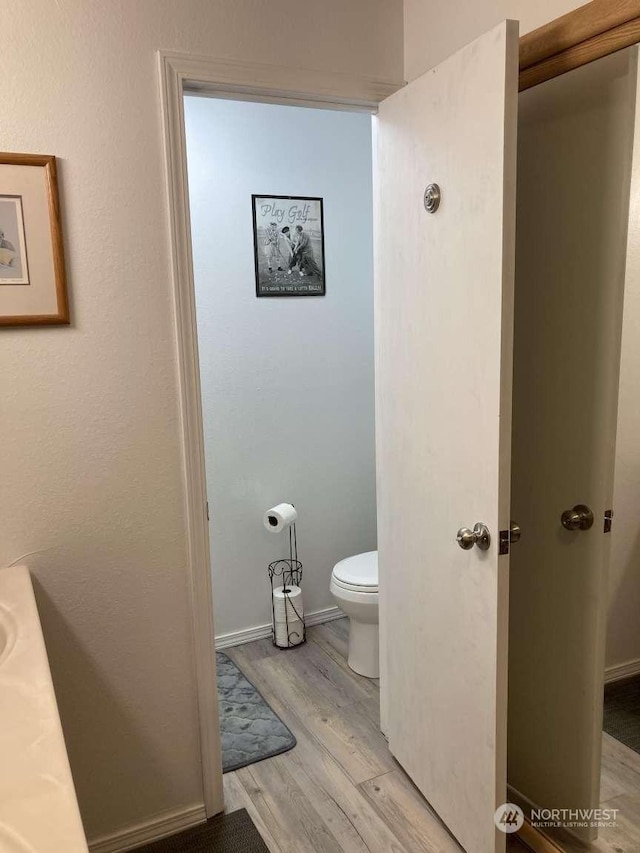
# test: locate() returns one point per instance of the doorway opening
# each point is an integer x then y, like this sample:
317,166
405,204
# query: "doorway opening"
287,376
575,584
287,397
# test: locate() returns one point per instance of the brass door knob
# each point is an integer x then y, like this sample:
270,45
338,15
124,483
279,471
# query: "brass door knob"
578,518
479,536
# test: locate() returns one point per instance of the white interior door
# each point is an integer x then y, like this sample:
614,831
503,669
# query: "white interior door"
575,142
444,317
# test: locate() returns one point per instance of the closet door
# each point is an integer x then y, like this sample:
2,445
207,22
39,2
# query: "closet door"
575,143
444,319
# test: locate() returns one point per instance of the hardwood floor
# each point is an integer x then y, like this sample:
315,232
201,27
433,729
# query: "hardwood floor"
339,789
619,789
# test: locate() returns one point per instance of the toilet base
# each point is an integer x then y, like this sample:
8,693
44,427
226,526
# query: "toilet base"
363,649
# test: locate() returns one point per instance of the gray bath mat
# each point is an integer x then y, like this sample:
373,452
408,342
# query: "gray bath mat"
224,833
250,730
622,712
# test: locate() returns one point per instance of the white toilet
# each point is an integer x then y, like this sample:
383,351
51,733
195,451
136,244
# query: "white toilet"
354,585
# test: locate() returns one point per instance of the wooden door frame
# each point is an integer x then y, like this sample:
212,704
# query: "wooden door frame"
597,29
577,38
181,73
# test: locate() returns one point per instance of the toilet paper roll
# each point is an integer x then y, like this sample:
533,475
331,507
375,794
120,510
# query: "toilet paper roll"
279,517
293,637
287,605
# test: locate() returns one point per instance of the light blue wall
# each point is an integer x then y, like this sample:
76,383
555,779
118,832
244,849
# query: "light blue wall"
287,383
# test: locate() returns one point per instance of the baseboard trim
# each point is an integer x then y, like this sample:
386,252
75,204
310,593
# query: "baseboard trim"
154,829
621,671
248,635
534,838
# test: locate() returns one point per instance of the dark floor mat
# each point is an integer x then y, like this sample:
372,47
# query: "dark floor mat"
622,712
249,729
225,833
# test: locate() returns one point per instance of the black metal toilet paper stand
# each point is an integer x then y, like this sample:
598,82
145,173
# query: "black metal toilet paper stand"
288,573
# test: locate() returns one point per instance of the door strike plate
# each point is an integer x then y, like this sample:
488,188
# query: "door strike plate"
504,540
608,520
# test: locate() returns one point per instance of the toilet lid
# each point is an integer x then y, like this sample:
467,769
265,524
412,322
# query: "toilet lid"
360,570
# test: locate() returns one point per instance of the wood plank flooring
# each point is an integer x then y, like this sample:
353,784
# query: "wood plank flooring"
619,789
339,790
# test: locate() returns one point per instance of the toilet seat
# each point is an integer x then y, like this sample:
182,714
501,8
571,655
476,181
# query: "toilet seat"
352,587
358,573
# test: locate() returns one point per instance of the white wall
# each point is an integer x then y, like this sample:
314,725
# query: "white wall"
623,640
434,30
90,453
287,383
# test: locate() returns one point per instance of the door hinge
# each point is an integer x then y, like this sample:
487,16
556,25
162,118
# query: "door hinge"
608,520
208,511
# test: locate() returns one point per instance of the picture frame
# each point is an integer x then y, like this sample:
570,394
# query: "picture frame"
288,245
33,287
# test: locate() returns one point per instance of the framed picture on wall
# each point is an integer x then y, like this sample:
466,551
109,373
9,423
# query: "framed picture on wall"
288,245
33,287
14,268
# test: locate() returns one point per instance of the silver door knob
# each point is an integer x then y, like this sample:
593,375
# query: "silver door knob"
578,518
479,536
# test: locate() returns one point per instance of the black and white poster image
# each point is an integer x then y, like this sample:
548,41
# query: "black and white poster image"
288,238
13,252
